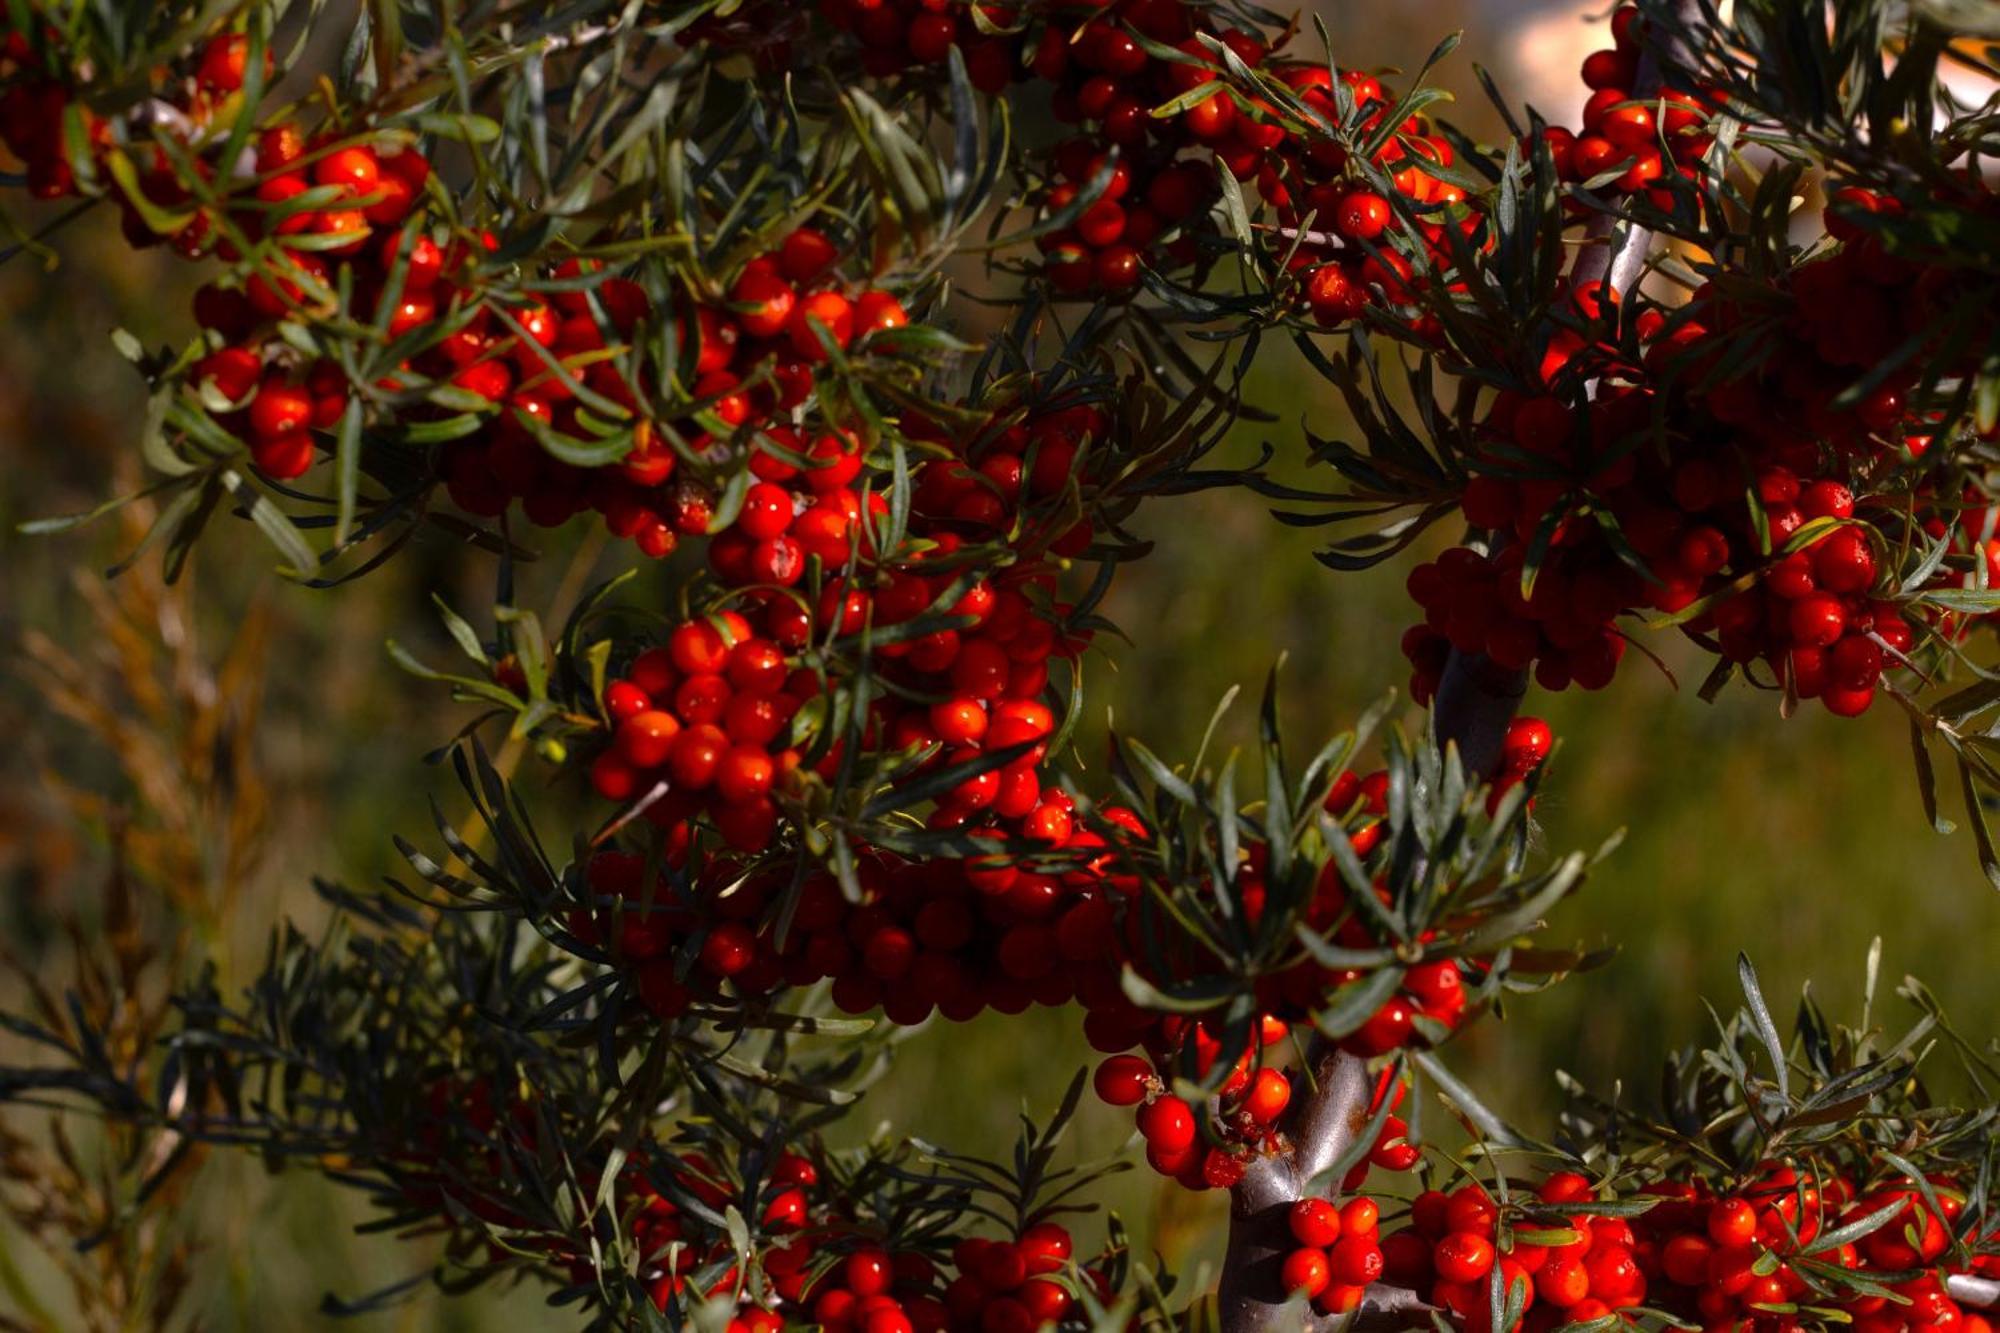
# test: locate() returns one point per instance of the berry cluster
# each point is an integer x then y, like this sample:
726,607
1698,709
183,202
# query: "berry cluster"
701,718
824,1258
940,934
748,362
1213,1153
1582,1269
895,35
1049,916
1793,568
1205,1151
1156,114
1252,1099
1013,1286
32,111
312,202
548,369
826,1270
710,722
1728,1255
270,399
1628,144
1107,83
1348,260
1741,1259
1157,168
1340,1252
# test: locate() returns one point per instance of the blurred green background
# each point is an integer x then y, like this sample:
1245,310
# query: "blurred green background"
1795,841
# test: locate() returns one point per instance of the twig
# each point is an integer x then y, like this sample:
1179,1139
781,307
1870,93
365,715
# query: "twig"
1966,1289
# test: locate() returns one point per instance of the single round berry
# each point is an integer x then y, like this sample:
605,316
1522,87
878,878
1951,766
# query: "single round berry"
1463,1256
1305,1272
1732,1222
1123,1080
1356,1261
1314,1222
1362,215
1168,1124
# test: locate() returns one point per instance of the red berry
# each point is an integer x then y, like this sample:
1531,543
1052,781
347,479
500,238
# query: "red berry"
805,254
1463,1256
827,314
1362,215
280,409
878,312
1843,562
1388,1028
1123,1080
1314,1222
867,1272
764,302
1305,1272
355,168
1168,1124
1356,1261
1044,1248
1826,499
1816,621
1732,1222
697,754
729,949
697,648
646,738
1684,1258
767,511
1562,1283
1270,1091
233,371
1117,268
744,774
284,457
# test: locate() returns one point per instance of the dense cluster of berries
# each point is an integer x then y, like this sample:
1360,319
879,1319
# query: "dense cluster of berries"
1155,115
32,112
1045,918
1339,1252
1793,569
1011,1286
329,212
1107,84
826,1270
895,35
710,722
747,363
820,1262
1627,143
1213,1152
325,200
941,934
1203,1151
1157,169
1720,1260
1729,1255
1347,260
713,723
1574,1271
271,399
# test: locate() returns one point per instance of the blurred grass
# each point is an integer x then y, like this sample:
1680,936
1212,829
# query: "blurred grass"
1797,842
